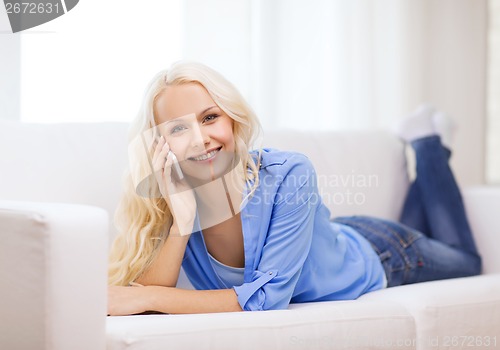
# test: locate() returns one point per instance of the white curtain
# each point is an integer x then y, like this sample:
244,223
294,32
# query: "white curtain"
323,63
348,64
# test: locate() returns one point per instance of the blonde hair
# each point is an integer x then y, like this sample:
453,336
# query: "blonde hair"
143,222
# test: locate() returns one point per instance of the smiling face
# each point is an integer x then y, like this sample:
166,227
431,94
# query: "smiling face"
198,132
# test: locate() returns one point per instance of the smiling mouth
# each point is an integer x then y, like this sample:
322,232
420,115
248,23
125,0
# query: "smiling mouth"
207,156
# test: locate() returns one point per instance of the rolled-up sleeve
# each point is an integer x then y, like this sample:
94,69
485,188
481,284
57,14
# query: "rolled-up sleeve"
287,243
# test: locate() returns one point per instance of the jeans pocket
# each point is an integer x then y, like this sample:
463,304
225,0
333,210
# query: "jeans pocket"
405,235
394,243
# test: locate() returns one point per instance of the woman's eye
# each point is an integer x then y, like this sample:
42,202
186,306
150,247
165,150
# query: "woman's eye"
210,118
177,128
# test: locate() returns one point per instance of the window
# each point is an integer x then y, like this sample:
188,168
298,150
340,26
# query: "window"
94,63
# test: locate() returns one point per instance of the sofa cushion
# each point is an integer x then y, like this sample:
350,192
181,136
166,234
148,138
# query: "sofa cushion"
359,172
66,162
459,313
326,325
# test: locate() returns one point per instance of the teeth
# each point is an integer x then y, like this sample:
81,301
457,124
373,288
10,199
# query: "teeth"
206,156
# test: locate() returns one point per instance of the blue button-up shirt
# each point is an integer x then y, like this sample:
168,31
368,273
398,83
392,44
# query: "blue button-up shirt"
293,252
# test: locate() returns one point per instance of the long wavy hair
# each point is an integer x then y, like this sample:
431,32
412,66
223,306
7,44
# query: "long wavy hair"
144,222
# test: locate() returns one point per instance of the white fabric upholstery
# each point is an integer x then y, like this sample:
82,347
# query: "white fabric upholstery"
66,163
483,209
328,325
465,308
359,172
52,270
53,255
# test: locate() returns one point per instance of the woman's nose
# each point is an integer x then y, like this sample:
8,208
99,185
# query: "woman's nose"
200,138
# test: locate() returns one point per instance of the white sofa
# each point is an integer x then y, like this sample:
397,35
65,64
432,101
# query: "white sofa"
60,183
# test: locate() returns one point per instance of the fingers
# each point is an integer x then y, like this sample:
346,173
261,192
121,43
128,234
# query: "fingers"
157,144
161,151
134,284
162,166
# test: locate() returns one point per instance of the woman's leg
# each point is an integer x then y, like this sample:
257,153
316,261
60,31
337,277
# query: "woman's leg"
413,213
445,248
417,125
409,256
439,196
434,204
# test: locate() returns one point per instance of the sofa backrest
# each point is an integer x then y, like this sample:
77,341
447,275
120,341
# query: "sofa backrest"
358,172
69,163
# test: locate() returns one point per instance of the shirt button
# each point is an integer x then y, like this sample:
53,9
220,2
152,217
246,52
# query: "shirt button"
270,273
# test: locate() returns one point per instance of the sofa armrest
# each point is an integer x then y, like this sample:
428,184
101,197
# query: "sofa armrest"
483,210
53,262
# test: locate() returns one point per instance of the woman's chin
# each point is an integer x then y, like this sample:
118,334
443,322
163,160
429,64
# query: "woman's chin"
201,173
205,176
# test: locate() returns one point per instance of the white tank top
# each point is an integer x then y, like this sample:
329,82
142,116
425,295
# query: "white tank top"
230,276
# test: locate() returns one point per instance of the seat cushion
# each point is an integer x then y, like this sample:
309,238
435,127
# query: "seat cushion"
339,325
459,313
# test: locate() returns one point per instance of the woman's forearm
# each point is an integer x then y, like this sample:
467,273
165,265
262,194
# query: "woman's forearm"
164,270
183,301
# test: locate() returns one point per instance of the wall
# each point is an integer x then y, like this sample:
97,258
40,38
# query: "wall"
10,69
493,122
456,78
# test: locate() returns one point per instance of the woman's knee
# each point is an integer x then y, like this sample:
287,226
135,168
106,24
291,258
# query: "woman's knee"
476,265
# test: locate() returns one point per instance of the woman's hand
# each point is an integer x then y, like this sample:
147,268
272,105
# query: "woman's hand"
178,194
127,300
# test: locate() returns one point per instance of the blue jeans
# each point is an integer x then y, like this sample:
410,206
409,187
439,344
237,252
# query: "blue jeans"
433,239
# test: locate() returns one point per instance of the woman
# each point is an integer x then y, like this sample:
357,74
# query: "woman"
249,228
